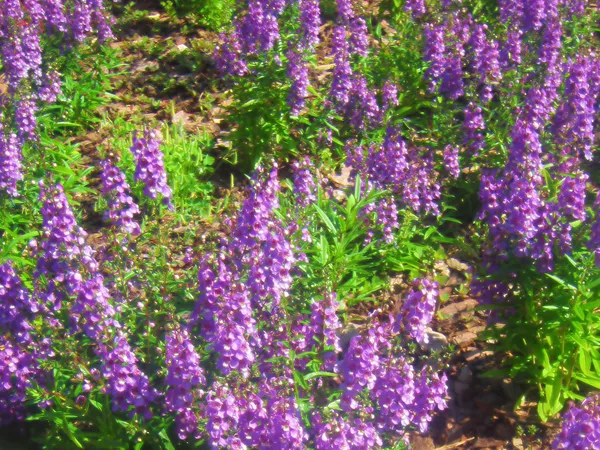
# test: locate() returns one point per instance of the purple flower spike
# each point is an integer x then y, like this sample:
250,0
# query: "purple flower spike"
451,161
11,168
418,308
184,381
25,119
415,7
17,369
129,388
310,18
17,307
298,73
150,169
63,254
473,127
121,207
304,183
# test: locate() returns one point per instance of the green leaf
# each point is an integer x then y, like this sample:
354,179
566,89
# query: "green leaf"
553,394
167,444
357,187
310,376
429,232
593,381
326,220
561,282
585,362
542,409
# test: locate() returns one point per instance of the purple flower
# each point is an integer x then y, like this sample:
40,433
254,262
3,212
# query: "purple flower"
50,88
11,167
63,254
418,308
574,121
310,19
571,197
54,12
534,15
297,72
390,95
451,161
360,368
512,11
324,325
512,49
18,368
93,312
362,109
150,169
359,41
25,119
223,413
335,432
127,386
17,307
345,10
81,19
580,427
304,183
228,56
415,7
342,73
473,127
551,44
121,207
408,172
485,60
184,383
18,348
434,53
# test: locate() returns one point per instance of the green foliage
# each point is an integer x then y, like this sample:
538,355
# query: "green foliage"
210,14
552,331
348,254
187,162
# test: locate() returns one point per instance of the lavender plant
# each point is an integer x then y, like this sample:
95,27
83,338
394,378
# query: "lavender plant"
249,367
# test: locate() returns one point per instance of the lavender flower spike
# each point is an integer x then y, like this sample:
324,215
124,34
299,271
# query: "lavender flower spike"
419,307
150,168
121,207
11,168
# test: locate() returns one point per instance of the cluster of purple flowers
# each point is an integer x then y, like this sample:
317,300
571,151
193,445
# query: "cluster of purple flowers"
150,168
407,171
18,359
128,387
445,51
485,60
580,427
252,403
184,383
473,128
121,207
298,73
62,254
10,160
418,308
398,395
28,71
524,220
